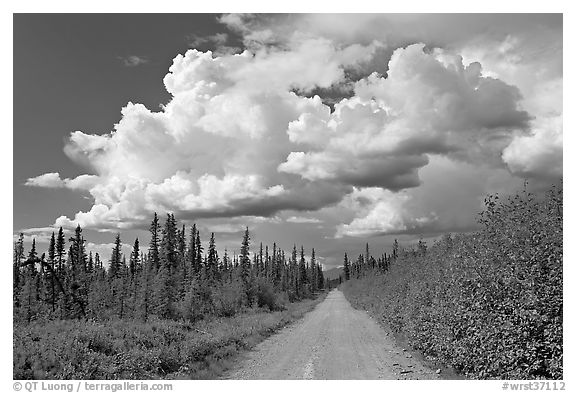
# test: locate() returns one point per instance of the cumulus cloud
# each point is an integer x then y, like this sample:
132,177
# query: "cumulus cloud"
449,200
380,212
538,155
49,180
524,51
53,180
429,103
214,149
249,134
533,62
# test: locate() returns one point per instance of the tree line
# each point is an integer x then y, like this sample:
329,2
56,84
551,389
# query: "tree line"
177,278
365,264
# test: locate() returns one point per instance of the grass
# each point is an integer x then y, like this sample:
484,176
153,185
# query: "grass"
158,349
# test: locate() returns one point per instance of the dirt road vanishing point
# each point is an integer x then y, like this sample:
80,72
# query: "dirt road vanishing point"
334,341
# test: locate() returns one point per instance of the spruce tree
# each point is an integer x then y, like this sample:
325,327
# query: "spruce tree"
166,286
52,295
97,261
191,254
320,276
313,272
169,244
198,255
245,257
32,257
16,264
293,272
276,268
90,266
181,265
78,256
266,264
260,264
153,248
135,263
226,268
303,279
346,267
28,296
60,250
212,260
116,258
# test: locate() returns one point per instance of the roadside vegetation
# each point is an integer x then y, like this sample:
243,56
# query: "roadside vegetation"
176,311
489,303
158,349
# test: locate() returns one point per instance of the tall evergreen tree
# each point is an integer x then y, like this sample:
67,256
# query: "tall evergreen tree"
346,267
153,248
303,279
97,261
191,253
16,264
277,272
78,257
90,265
320,276
169,244
198,254
293,272
135,263
60,249
32,257
226,266
50,278
212,260
266,263
166,286
116,258
313,272
181,265
245,257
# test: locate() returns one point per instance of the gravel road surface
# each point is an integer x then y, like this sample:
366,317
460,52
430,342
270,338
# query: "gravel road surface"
333,341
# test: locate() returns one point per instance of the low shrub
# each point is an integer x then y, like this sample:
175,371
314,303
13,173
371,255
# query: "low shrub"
128,349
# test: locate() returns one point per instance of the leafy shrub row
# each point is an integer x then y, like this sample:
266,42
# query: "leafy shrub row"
487,303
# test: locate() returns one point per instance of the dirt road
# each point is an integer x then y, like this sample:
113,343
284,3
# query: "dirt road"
334,341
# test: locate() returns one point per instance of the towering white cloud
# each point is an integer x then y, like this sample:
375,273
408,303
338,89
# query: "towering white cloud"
214,149
429,103
245,134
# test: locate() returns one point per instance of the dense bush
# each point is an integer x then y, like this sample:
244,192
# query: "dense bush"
487,303
268,298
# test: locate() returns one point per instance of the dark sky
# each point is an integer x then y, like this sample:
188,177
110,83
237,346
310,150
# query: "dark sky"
419,118
69,75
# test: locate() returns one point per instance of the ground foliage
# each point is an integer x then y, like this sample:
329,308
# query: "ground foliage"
131,349
487,303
